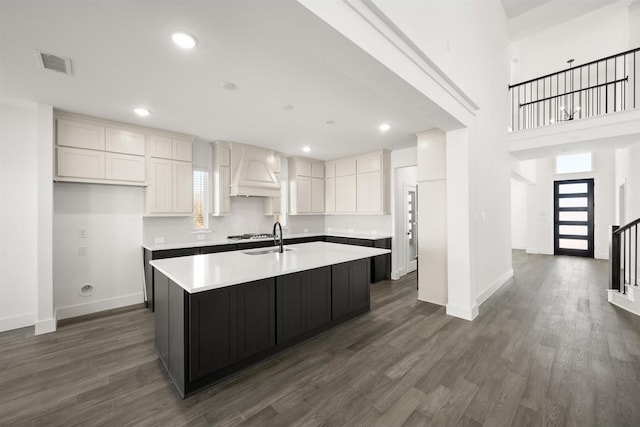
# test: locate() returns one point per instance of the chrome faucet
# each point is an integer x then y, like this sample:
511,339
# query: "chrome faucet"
277,225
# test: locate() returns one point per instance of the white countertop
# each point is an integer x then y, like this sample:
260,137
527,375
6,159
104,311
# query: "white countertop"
199,273
200,243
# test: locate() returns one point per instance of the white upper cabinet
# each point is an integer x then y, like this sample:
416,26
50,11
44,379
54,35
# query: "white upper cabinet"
345,167
159,193
103,152
182,187
361,184
79,134
165,147
80,163
170,176
182,150
124,167
159,146
306,184
124,141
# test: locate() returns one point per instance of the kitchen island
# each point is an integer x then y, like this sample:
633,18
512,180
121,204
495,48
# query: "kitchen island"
218,313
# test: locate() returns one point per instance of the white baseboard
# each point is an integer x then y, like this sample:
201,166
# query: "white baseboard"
626,302
16,322
46,326
96,306
466,313
395,275
497,284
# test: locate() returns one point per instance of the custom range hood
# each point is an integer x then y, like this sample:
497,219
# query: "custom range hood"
255,171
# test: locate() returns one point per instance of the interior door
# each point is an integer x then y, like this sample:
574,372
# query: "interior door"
411,227
573,217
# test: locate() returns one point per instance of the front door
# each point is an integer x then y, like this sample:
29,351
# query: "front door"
573,218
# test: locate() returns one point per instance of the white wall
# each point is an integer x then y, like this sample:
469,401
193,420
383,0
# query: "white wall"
592,36
540,202
628,173
18,217
518,214
111,217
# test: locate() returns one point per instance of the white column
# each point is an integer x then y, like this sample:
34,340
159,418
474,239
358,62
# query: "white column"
461,284
432,217
45,321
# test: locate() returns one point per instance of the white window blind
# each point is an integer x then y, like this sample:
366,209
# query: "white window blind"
200,199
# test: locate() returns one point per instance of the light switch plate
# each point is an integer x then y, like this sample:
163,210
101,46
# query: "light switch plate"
199,236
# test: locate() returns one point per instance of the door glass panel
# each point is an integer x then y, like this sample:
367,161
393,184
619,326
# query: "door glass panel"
573,244
573,202
573,216
411,218
575,230
572,188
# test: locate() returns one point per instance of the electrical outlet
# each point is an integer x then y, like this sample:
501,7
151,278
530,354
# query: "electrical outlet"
306,230
159,240
351,230
374,231
82,250
199,236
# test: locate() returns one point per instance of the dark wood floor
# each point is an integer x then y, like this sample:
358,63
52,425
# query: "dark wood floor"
547,349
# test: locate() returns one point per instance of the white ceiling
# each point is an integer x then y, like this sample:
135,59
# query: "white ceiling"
276,52
515,8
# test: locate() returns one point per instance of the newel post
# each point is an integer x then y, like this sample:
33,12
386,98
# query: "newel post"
614,258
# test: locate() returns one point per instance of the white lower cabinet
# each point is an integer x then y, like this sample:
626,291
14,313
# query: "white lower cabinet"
80,163
170,187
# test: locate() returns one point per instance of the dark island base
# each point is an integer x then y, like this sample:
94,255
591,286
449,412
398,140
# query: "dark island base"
194,387
206,336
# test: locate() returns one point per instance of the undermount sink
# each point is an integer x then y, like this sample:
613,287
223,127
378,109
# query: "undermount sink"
266,251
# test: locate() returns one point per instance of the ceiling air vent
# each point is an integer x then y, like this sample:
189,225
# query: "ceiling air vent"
52,62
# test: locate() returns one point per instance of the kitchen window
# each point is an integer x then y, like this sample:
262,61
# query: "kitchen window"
200,199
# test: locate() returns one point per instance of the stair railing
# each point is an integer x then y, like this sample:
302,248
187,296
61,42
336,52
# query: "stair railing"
624,256
598,87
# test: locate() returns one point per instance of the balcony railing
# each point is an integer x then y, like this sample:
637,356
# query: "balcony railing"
624,256
598,87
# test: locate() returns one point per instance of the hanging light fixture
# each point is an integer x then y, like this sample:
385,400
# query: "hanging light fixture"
569,115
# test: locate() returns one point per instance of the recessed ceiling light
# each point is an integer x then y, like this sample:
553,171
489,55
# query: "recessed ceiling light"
330,122
183,39
142,112
384,127
228,85
287,107
306,148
